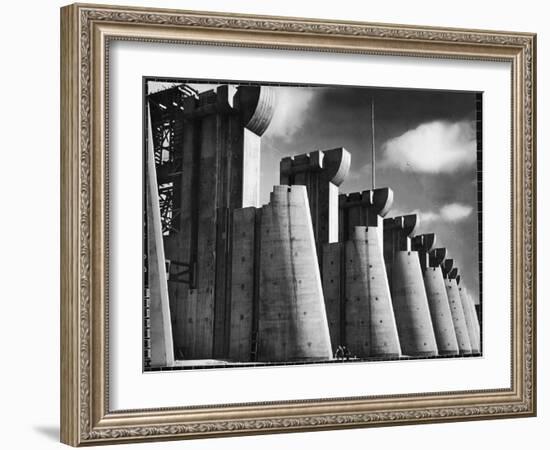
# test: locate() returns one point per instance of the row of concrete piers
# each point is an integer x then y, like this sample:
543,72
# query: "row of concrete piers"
313,275
388,292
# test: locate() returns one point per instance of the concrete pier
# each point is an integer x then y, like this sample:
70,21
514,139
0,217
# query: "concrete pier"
477,324
334,276
471,318
214,168
157,314
370,330
309,274
321,172
244,284
455,303
355,285
363,209
440,311
292,318
410,303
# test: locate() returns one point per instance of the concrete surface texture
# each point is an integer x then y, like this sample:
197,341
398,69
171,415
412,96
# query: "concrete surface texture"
455,303
321,172
313,274
217,138
243,321
410,302
370,325
440,311
472,322
157,323
333,276
292,318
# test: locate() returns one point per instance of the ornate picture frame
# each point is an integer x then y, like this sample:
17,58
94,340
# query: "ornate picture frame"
86,33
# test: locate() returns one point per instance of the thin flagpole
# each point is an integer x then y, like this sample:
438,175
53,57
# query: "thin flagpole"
373,157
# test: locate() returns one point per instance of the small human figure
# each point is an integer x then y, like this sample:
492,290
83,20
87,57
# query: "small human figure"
347,353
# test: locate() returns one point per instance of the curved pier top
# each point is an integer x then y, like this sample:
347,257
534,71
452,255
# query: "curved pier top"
447,266
423,242
437,256
257,106
406,224
453,273
381,200
336,163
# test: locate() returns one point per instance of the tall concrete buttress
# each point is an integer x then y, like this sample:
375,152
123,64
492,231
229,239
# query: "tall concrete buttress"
477,325
292,321
333,277
455,303
158,311
440,311
244,284
219,138
348,269
363,209
370,328
474,310
471,318
410,302
321,172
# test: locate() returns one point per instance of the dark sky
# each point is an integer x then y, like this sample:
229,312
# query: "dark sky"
425,151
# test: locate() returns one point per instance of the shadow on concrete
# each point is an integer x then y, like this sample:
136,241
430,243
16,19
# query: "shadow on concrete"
51,432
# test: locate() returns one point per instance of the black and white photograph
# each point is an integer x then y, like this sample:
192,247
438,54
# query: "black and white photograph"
277,220
300,224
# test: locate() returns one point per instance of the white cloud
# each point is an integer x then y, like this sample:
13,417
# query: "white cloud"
290,112
424,217
434,147
427,216
455,212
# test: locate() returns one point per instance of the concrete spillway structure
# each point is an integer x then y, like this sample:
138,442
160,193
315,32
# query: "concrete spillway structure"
474,311
214,168
365,208
410,303
477,324
296,279
243,327
355,283
457,311
471,318
292,322
333,277
276,299
157,311
371,330
440,311
321,172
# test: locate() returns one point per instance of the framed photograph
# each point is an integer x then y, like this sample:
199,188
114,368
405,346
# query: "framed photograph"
276,224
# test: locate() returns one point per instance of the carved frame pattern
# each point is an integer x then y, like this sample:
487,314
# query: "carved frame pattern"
86,32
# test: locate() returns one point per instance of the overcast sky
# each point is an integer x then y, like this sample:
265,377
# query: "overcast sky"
425,151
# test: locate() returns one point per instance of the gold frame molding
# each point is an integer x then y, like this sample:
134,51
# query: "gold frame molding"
86,31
